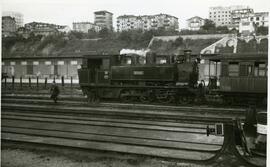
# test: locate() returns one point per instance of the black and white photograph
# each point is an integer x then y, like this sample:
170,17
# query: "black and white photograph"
134,83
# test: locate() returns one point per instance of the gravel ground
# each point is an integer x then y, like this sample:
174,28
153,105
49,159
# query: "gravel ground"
13,155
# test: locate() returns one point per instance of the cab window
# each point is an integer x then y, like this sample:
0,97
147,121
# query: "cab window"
141,60
161,60
260,69
126,61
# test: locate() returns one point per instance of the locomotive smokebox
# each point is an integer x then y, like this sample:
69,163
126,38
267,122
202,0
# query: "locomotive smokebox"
187,54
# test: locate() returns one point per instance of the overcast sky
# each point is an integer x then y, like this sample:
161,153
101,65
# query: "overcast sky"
64,12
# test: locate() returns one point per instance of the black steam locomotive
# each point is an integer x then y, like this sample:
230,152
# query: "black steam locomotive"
146,78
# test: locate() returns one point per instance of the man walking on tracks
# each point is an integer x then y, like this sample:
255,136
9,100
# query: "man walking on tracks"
54,92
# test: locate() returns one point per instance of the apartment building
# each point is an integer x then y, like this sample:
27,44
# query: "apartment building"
85,27
195,23
249,23
238,14
260,19
104,19
147,22
8,26
17,16
222,16
39,28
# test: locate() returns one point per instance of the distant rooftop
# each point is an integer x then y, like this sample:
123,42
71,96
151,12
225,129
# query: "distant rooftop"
130,16
195,17
102,11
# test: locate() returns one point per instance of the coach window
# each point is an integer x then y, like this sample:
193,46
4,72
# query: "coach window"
233,69
249,70
260,69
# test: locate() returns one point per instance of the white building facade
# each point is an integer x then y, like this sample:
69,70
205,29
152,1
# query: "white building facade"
221,16
147,22
17,16
249,23
195,23
85,27
238,14
104,19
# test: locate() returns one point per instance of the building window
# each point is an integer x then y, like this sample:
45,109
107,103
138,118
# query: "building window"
12,63
23,63
48,62
73,62
60,62
30,69
35,63
257,18
3,63
233,69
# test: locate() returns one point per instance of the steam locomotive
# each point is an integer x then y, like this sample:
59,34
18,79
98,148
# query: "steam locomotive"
147,78
173,78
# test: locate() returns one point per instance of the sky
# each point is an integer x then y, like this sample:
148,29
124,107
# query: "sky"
64,12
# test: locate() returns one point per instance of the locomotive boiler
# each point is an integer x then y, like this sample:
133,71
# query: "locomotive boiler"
162,78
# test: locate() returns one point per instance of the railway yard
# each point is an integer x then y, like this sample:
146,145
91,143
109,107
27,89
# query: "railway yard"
118,134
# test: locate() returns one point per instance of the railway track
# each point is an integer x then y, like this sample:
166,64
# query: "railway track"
66,100
167,131
147,137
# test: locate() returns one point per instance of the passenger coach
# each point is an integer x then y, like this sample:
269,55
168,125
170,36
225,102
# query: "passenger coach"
243,77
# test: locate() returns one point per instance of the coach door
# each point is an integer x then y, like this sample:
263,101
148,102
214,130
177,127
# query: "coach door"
94,66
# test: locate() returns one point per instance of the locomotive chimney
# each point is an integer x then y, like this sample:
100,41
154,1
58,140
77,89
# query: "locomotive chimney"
187,54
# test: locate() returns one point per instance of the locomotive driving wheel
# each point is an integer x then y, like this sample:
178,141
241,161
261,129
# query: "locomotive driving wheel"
164,97
185,99
93,96
147,96
125,96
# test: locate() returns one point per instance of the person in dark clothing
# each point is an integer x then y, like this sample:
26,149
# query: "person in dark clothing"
54,92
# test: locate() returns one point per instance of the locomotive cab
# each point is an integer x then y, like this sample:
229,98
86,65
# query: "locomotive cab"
187,70
95,69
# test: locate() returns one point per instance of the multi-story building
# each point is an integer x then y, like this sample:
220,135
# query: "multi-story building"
85,27
260,19
221,16
17,16
246,26
8,26
249,23
238,14
146,22
104,19
45,29
195,23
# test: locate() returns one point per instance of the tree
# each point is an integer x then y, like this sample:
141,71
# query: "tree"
76,35
92,33
262,30
222,29
209,25
104,33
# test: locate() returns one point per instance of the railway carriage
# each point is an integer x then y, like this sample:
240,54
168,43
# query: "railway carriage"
243,77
